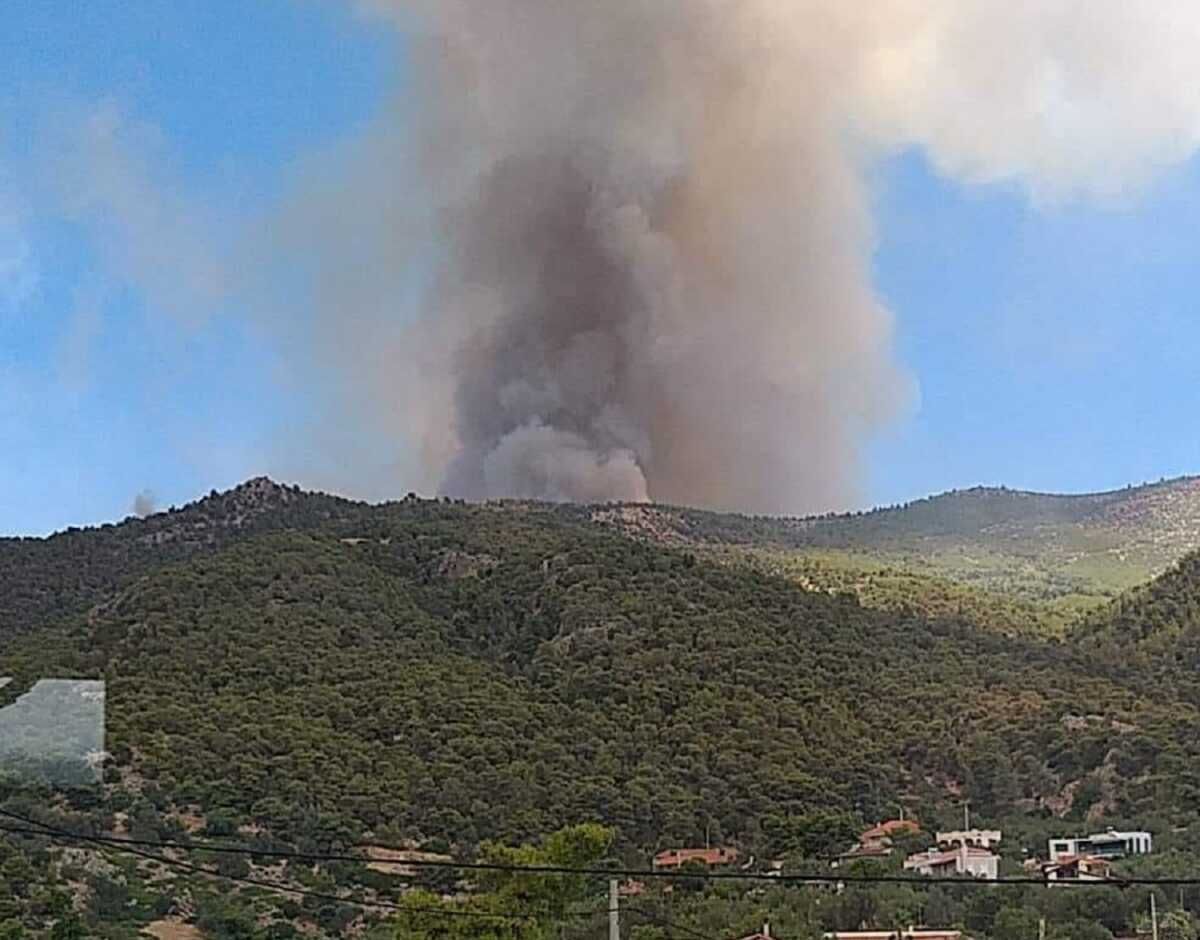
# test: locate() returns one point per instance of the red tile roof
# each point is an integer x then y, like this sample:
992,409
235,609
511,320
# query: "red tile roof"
1088,864
673,858
890,828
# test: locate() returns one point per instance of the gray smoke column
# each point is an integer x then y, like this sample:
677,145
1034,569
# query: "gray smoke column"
652,279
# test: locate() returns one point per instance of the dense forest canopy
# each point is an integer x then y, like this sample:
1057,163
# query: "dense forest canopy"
309,671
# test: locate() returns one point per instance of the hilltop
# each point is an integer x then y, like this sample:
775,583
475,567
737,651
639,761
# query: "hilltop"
45,578
1072,550
984,546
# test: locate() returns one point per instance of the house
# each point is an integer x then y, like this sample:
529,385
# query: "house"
1077,868
982,838
1110,844
764,934
912,933
962,860
858,851
674,858
631,889
883,834
876,842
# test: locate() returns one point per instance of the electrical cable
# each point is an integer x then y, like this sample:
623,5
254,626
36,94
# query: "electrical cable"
53,833
629,873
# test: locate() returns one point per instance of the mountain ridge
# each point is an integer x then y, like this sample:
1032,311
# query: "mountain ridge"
1063,553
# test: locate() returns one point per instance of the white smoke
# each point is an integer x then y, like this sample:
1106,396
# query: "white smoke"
145,503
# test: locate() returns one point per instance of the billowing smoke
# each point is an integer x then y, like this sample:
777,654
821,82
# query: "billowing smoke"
652,274
620,249
653,278
145,503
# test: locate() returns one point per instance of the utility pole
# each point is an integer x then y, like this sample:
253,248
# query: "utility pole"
614,910
1041,928
967,815
1153,918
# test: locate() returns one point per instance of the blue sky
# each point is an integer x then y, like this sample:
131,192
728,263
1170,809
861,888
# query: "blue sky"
1054,348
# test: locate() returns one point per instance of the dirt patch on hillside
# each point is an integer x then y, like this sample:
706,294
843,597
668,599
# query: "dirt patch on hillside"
172,930
398,861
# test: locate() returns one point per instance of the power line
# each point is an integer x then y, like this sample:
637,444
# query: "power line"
631,873
55,834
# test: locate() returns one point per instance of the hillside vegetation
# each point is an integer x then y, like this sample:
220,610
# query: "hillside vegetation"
1073,550
321,673
1153,628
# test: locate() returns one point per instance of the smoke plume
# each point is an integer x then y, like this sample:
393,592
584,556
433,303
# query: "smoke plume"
652,272
621,249
652,277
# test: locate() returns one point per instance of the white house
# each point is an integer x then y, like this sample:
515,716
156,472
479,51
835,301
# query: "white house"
1111,844
963,860
1073,870
981,838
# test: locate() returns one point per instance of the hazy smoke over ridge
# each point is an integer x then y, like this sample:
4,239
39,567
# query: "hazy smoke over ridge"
621,248
145,503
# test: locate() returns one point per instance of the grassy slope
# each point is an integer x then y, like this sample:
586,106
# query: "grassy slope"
1067,553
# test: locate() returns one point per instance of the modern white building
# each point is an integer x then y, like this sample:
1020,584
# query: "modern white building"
1111,844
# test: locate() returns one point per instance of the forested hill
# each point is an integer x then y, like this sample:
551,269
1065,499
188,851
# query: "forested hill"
431,669
1154,627
290,669
45,579
1038,546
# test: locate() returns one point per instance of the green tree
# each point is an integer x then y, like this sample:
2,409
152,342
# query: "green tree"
17,873
68,927
538,901
1015,923
1177,925
1080,929
109,899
